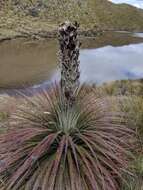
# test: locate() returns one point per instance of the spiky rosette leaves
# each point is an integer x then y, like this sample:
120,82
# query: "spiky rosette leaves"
56,147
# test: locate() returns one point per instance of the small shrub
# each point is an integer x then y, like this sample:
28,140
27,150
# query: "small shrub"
3,116
136,182
57,147
123,87
132,106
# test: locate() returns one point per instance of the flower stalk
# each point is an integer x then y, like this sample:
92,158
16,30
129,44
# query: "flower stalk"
69,60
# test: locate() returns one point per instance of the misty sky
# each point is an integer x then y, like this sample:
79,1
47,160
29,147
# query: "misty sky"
137,3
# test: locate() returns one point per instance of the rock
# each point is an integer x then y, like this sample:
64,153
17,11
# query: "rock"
33,12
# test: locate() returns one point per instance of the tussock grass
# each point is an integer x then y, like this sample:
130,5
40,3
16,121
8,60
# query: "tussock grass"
55,146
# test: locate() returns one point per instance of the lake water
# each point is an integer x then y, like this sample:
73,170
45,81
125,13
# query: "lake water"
112,56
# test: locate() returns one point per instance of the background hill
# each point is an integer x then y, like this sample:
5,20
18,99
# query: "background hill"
24,17
117,17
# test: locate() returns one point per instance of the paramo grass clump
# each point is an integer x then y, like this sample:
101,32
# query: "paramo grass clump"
56,146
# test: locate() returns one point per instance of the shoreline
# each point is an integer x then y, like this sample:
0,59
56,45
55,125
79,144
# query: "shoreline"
40,21
45,34
48,34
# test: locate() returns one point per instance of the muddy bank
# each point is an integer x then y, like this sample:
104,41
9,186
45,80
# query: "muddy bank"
41,34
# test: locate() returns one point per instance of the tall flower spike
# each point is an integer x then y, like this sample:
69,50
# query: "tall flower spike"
69,59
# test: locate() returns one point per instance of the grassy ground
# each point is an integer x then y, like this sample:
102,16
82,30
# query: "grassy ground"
126,96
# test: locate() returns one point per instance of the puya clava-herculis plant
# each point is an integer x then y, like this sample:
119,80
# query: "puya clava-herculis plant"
64,138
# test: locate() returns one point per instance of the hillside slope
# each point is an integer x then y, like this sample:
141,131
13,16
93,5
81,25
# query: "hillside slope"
117,17
38,17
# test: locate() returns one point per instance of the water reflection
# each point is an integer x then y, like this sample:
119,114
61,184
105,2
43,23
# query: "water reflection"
25,63
112,56
140,35
112,63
